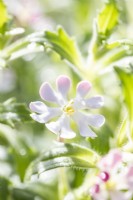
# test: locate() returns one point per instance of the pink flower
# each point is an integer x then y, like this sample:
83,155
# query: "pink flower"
115,180
76,109
129,177
111,161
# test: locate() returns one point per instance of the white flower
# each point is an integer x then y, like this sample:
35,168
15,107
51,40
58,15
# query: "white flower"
76,109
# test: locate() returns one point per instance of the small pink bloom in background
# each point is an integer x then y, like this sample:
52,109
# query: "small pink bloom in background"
111,160
104,176
129,177
95,189
29,13
76,109
115,179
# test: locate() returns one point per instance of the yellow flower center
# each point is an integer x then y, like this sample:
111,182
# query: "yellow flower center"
110,185
68,109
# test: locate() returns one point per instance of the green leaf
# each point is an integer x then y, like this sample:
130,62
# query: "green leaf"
4,188
22,157
126,78
107,19
12,112
65,46
34,190
22,194
3,14
116,51
32,43
122,134
20,150
7,136
124,43
97,144
64,155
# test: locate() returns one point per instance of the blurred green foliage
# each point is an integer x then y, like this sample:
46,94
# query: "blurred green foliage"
92,44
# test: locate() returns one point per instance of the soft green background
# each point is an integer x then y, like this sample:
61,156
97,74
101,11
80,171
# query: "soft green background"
22,77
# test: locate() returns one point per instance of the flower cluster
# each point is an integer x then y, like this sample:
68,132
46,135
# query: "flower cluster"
76,109
115,179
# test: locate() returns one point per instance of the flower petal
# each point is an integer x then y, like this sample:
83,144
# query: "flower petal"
83,88
111,160
66,131
94,102
119,195
54,126
82,124
38,118
95,120
61,127
129,177
46,116
63,85
85,130
38,107
47,93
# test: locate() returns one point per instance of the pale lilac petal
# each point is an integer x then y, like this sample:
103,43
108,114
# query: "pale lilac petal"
83,88
47,93
92,119
82,124
61,127
47,115
66,131
85,130
63,85
78,104
38,118
38,107
95,120
94,102
54,127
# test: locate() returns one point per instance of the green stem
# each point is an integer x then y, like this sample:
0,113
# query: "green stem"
25,51
96,65
63,187
22,43
16,46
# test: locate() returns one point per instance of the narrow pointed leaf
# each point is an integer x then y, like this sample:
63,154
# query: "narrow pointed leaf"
4,188
12,112
64,155
20,150
126,78
3,14
65,46
122,134
108,19
34,190
104,134
7,136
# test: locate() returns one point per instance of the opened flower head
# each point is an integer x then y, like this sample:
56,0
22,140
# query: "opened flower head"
76,109
115,178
